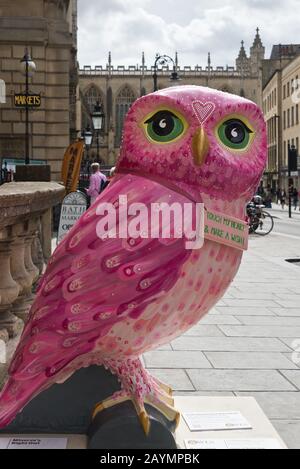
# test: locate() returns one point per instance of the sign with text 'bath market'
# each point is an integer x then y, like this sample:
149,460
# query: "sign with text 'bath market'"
31,100
73,206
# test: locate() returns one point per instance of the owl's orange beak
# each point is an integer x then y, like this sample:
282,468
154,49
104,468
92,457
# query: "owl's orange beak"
200,146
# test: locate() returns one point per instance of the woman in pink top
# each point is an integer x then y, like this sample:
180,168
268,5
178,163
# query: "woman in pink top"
96,180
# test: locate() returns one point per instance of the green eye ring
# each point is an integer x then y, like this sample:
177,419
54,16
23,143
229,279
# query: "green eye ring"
164,126
235,134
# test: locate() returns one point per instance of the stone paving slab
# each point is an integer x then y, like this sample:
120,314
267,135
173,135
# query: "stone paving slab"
293,377
250,360
293,343
268,321
204,331
230,344
218,319
288,303
244,311
289,430
176,359
291,356
277,405
239,380
256,303
260,331
177,379
286,312
258,295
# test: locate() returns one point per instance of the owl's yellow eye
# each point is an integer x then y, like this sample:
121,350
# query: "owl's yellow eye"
235,134
164,126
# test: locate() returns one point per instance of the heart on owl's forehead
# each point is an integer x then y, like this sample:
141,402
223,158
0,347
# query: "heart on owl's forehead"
203,110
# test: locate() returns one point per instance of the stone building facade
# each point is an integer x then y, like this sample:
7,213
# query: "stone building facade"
117,87
281,105
48,28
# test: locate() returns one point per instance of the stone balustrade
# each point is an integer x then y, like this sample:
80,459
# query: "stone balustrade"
25,247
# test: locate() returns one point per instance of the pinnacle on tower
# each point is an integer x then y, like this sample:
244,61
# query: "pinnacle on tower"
242,54
209,61
257,40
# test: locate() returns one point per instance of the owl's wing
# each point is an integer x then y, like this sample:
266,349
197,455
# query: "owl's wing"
90,285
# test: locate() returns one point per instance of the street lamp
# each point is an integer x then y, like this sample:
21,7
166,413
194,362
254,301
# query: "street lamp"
28,68
87,135
98,124
164,60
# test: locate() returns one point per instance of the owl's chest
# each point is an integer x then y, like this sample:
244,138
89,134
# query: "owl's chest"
202,281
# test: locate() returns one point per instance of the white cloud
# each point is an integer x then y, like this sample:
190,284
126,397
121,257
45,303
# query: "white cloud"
193,27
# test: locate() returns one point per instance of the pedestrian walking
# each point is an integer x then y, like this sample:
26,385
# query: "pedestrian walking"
283,199
278,195
97,182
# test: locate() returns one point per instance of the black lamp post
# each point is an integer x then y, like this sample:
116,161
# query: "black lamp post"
164,60
292,167
98,124
28,68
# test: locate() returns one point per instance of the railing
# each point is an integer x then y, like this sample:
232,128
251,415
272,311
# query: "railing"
25,247
140,71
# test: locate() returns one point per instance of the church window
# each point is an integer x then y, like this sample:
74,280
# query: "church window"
124,101
92,96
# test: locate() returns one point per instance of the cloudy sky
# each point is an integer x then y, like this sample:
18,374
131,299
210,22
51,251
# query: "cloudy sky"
192,27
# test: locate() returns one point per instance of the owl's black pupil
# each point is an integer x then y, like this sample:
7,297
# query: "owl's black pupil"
235,132
163,123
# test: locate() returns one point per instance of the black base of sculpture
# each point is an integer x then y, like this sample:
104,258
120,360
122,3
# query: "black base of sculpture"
67,409
121,429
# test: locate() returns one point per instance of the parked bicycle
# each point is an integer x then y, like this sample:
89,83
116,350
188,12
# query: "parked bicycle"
259,220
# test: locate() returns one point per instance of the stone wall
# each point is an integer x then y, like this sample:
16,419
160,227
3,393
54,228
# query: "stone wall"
25,247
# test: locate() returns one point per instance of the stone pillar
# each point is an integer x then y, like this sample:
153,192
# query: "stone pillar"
32,234
37,251
46,228
19,271
9,288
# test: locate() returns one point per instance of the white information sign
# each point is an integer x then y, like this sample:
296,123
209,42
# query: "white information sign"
251,443
73,207
33,443
210,421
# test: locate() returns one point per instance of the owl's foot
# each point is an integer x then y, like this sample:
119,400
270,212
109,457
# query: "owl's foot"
141,388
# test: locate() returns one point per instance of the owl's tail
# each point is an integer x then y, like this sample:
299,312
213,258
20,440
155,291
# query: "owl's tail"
13,398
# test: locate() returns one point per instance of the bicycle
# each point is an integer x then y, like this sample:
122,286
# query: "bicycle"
260,221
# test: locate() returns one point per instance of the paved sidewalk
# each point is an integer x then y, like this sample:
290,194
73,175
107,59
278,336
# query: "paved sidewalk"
277,209
245,345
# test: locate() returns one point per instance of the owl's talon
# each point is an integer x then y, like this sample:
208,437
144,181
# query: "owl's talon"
167,410
98,408
117,398
145,422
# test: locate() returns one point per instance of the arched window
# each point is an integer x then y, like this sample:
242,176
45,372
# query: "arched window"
124,101
92,96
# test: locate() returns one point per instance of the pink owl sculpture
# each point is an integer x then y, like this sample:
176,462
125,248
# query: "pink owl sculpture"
106,301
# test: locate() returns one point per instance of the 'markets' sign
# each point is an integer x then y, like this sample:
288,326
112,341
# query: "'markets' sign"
30,100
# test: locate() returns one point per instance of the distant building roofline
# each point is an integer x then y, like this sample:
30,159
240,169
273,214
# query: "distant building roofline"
284,50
